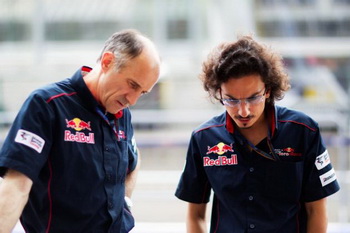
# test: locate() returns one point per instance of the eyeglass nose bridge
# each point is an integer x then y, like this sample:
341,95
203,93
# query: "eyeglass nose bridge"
243,103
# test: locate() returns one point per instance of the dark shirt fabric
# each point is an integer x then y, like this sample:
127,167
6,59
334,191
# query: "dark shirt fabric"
77,157
252,193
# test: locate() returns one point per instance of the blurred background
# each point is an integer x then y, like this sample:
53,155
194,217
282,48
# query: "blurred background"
43,41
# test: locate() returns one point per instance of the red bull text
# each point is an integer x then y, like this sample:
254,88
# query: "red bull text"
79,137
220,161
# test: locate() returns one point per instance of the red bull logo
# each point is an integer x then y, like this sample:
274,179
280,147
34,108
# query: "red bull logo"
220,148
78,124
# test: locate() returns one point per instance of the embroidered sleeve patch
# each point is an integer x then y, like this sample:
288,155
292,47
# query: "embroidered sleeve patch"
134,146
322,160
30,139
328,177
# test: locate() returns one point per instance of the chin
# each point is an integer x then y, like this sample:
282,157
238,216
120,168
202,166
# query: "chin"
246,127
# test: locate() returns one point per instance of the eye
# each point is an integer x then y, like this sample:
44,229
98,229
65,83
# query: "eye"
230,102
253,98
234,101
134,85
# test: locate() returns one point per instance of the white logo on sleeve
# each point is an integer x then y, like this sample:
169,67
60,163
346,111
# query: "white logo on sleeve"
134,146
29,139
328,177
322,160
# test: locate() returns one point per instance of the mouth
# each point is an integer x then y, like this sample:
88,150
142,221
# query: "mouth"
244,120
121,104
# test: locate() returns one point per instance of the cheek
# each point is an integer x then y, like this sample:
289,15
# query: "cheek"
232,112
111,90
259,109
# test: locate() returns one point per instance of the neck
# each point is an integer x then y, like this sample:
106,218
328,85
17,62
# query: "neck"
91,80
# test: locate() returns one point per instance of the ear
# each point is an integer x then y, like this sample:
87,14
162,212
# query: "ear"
107,61
267,94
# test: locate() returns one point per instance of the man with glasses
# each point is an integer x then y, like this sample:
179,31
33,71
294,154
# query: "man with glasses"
70,159
267,165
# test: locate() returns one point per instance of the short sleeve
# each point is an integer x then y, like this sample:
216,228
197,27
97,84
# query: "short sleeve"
193,185
132,150
133,154
28,143
320,179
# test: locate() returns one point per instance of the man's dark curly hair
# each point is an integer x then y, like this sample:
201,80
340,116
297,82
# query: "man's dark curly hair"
241,58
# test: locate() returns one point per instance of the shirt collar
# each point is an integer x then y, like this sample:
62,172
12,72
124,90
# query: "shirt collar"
271,113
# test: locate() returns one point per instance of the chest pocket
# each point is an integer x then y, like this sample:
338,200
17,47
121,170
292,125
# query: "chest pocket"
284,180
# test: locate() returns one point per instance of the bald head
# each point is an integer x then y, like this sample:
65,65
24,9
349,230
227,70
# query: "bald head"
129,44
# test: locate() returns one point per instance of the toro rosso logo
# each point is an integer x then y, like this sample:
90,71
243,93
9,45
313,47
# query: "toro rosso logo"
78,125
288,151
220,149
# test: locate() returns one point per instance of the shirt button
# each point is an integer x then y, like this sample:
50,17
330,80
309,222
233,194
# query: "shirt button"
107,148
251,169
251,198
251,226
110,205
108,177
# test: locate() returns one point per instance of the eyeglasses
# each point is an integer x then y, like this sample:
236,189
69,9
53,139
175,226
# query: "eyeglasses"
254,100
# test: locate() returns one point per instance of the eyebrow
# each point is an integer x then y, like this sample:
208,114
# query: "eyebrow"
134,82
138,85
253,95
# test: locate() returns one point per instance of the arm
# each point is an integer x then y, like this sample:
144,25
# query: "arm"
131,178
14,193
196,218
317,216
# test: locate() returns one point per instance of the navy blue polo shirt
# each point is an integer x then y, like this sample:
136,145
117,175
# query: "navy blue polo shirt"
253,193
77,157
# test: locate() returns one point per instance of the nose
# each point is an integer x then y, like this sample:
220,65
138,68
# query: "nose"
132,98
243,109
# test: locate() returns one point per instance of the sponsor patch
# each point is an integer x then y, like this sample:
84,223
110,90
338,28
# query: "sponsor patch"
288,151
322,160
220,148
328,177
220,161
134,145
121,135
79,137
78,125
30,139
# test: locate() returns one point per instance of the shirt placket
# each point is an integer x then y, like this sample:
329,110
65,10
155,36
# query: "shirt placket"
111,160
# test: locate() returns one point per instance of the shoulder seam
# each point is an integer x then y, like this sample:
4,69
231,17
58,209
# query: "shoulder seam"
299,123
59,95
208,127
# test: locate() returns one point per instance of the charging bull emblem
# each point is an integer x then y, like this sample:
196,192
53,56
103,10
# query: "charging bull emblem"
220,148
